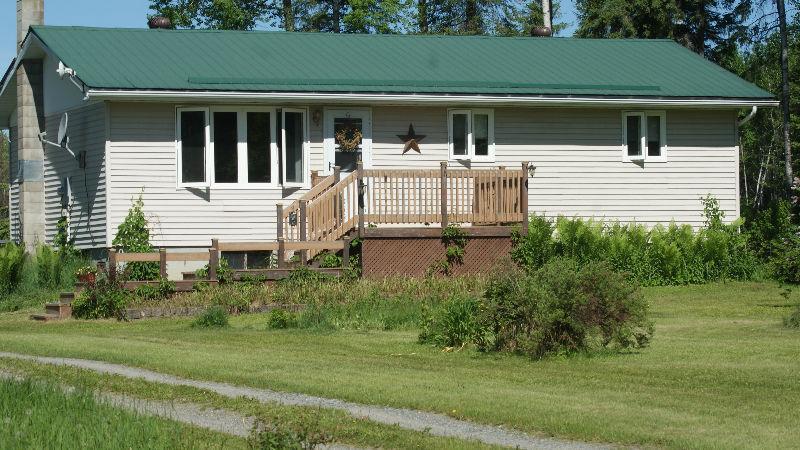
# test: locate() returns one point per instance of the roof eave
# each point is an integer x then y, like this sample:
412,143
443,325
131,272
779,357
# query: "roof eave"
428,99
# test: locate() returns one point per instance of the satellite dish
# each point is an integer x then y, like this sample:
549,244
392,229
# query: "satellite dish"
62,129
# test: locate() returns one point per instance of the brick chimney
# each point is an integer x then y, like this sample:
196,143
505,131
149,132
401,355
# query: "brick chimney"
30,122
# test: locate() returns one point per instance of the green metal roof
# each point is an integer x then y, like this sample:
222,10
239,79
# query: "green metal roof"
206,60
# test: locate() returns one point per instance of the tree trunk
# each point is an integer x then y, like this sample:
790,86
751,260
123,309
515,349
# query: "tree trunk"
787,143
288,15
471,13
422,16
547,15
337,28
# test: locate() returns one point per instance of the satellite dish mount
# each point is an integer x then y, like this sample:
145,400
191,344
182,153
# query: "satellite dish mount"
63,139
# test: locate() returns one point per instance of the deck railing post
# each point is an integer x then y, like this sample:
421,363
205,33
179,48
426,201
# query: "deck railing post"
281,253
443,184
112,264
360,175
213,260
162,262
337,174
303,228
523,198
279,219
346,253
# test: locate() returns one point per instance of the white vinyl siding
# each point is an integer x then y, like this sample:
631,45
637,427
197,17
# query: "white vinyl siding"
13,185
87,132
143,158
575,152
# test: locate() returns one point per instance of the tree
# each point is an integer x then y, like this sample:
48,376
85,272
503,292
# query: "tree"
519,18
213,14
787,142
704,26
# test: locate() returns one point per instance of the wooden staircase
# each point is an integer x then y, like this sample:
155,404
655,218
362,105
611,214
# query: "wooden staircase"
58,310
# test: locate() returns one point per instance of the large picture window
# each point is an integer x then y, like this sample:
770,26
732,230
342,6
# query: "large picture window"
644,136
471,134
231,147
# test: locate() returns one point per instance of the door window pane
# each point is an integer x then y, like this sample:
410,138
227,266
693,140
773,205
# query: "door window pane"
226,143
193,146
346,127
258,148
294,147
481,133
460,134
654,136
634,135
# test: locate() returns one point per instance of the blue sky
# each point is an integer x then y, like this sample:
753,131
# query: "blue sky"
123,13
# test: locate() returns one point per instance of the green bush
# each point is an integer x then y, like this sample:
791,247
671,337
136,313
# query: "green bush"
658,256
562,309
454,323
105,299
213,317
133,236
12,258
280,319
224,272
48,267
267,436
162,291
785,260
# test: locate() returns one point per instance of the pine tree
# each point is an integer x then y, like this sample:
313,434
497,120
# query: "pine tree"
223,15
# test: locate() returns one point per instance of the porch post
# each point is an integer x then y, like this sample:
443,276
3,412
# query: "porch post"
281,253
346,253
523,198
112,264
162,262
213,260
443,184
279,220
303,229
360,175
337,174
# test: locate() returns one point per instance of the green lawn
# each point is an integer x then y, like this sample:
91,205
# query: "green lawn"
44,416
721,371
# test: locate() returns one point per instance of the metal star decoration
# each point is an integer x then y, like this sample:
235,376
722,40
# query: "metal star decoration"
411,139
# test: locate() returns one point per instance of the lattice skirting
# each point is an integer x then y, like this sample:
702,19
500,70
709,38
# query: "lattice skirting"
413,256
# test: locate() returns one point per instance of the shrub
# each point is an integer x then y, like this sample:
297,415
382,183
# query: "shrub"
48,267
280,319
213,317
659,256
785,260
103,300
266,436
162,291
12,258
133,236
454,323
224,272
561,308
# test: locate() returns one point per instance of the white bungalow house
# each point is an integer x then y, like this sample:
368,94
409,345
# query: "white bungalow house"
216,128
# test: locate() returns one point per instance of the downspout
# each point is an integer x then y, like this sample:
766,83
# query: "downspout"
748,117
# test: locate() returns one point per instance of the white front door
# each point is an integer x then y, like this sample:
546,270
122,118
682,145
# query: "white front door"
343,147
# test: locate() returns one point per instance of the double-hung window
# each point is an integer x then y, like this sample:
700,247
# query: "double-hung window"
644,136
471,134
239,147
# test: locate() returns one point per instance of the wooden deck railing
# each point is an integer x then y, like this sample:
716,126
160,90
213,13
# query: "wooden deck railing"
398,196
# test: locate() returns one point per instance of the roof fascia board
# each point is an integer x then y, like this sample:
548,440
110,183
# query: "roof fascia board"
222,96
29,39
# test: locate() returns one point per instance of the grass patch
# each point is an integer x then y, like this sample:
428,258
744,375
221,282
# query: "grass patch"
42,415
339,426
721,365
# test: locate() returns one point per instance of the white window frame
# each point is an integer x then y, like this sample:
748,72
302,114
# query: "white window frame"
470,156
241,149
179,146
643,115
306,182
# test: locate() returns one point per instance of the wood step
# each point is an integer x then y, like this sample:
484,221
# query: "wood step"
60,310
66,297
45,317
